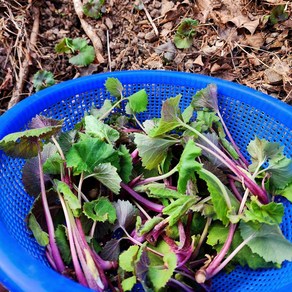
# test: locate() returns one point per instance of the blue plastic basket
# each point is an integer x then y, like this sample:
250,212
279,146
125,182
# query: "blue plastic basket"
247,112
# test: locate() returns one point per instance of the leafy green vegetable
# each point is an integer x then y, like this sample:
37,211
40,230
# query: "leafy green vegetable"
100,210
278,14
41,237
114,87
43,79
63,243
152,150
93,8
126,168
267,241
183,38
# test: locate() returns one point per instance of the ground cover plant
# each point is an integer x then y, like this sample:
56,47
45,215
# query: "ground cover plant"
165,203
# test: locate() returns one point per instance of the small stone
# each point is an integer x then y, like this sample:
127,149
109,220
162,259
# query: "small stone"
151,36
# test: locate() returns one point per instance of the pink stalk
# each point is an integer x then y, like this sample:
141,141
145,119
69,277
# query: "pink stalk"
55,251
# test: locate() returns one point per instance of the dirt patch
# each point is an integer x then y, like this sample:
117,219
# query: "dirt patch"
235,40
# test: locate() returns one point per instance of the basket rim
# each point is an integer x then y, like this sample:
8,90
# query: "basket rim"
31,106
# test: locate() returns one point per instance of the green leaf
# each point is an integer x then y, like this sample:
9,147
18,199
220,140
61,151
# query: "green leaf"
86,154
149,225
169,117
85,57
114,87
152,150
185,32
108,176
69,197
271,213
128,283
188,114
25,144
53,164
43,79
64,46
187,165
128,257
99,112
206,98
278,13
93,8
216,238
158,190
98,129
219,194
267,241
138,101
179,208
280,171
160,273
126,165
100,210
261,151
286,192
78,44
41,237
63,243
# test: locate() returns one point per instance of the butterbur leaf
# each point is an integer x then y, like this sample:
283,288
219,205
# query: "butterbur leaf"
86,154
184,35
138,101
128,257
108,176
64,46
93,8
278,13
96,128
26,144
31,171
43,122
280,171
149,225
187,114
161,269
69,197
286,192
187,165
114,87
261,151
206,98
126,214
142,265
111,250
128,283
271,213
157,190
152,150
43,79
63,243
99,112
100,210
126,165
85,57
53,164
41,237
267,241
66,140
169,117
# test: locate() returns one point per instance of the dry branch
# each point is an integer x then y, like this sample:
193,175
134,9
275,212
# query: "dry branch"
89,30
24,66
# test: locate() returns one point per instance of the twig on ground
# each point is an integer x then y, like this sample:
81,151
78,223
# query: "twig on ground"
24,66
108,51
150,19
89,30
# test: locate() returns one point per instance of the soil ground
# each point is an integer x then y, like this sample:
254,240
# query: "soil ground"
236,40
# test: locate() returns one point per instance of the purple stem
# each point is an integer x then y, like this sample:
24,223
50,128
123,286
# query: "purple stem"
150,205
54,248
235,190
220,256
253,187
179,285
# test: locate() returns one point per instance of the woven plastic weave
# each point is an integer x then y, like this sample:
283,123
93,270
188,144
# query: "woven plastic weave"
246,112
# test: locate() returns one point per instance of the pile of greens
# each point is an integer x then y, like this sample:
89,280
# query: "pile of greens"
165,204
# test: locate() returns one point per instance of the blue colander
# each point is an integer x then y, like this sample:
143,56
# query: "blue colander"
247,113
